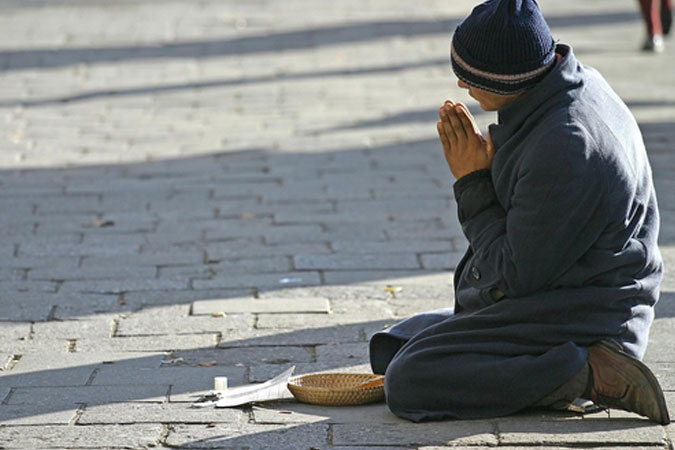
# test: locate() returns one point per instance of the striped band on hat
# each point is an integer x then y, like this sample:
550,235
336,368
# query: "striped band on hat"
502,84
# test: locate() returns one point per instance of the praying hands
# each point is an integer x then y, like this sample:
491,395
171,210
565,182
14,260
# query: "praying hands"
465,148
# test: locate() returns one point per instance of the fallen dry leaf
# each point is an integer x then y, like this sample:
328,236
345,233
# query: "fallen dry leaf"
207,364
102,223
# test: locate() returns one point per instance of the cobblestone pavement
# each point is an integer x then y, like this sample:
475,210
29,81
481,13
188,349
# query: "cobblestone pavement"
201,188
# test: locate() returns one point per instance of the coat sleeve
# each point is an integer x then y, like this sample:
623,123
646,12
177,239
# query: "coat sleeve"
555,215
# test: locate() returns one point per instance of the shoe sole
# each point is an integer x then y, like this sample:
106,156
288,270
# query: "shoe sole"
614,347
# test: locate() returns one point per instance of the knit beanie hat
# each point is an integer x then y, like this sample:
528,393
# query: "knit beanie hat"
504,47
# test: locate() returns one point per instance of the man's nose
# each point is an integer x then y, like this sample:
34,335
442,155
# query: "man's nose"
462,84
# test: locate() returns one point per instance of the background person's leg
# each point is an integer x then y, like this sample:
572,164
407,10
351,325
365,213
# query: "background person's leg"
651,12
666,16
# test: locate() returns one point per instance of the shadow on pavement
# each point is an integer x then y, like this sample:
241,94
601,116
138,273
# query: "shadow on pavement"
218,83
79,241
103,246
273,42
429,116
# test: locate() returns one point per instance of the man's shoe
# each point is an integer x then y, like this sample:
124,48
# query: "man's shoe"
622,381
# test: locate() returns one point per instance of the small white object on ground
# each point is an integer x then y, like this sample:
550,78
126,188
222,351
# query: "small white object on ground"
220,384
222,397
274,389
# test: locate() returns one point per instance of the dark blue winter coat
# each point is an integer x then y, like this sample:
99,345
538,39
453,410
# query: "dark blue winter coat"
563,252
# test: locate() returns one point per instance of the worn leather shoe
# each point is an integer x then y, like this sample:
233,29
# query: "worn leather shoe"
622,381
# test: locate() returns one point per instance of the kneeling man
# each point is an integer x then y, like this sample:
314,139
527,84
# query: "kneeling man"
555,295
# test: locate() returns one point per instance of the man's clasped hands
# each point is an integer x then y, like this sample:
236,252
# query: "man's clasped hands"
465,148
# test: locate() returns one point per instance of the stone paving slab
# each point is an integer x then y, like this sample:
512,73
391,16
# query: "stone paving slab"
666,305
34,262
472,433
154,301
345,353
389,277
293,412
38,249
91,272
148,326
330,321
191,256
391,247
246,356
218,251
261,306
33,287
325,233
161,343
670,401
41,362
245,436
23,311
339,293
658,351
35,415
302,337
253,265
441,261
26,346
121,285
670,429
33,437
260,281
177,310
584,432
347,261
508,447
5,360
91,395
15,330
378,447
187,383
85,306
171,413
74,329
68,376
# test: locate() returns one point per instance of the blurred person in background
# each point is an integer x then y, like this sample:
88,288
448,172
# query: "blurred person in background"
658,18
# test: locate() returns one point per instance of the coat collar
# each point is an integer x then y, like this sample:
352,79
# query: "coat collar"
567,74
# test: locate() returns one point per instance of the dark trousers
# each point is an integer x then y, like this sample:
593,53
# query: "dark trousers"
441,374
495,361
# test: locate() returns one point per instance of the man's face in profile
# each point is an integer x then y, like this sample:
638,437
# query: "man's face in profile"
487,100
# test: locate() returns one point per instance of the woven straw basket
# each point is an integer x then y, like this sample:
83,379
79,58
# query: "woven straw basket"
338,389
